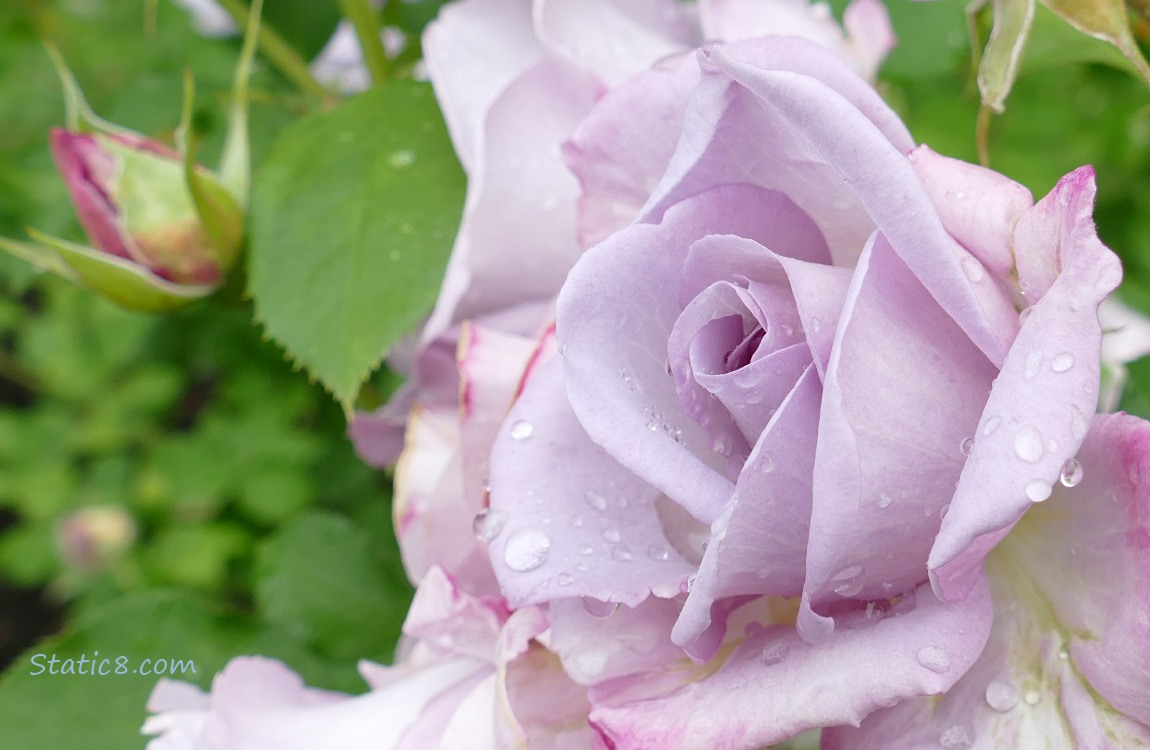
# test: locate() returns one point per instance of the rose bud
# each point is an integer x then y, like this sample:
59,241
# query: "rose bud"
133,202
91,538
163,230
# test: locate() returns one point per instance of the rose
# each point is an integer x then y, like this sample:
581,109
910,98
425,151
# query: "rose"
498,66
801,375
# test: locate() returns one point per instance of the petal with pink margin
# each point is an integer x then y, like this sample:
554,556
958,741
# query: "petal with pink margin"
870,36
904,389
1068,661
573,521
613,39
773,685
1038,411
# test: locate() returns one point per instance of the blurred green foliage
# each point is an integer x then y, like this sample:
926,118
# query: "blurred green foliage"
192,425
257,530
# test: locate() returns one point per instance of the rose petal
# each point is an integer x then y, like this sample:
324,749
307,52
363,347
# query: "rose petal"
888,455
520,203
759,545
613,39
1037,414
774,685
1068,662
870,36
579,526
864,168
621,149
474,50
978,206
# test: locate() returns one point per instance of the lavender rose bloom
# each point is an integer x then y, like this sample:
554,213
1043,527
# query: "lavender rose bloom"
800,429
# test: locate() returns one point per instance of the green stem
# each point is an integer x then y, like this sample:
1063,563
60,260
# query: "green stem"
278,52
366,22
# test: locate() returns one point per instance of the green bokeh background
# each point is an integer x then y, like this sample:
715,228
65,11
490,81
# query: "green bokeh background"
259,531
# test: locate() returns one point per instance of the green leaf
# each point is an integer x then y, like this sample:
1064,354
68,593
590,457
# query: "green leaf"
352,220
1136,395
321,580
105,712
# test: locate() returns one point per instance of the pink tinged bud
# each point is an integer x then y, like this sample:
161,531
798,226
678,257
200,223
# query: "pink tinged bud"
92,538
133,200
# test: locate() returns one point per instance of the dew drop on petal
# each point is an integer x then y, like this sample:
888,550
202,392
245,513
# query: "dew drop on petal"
991,425
1028,444
521,430
611,535
774,652
564,579
595,500
1063,654
575,521
1032,698
816,324
973,269
1033,362
766,463
598,607
526,549
658,551
884,500
966,446
1071,473
1062,362
488,523
1037,490
1001,696
934,659
622,553
763,573
586,550
955,737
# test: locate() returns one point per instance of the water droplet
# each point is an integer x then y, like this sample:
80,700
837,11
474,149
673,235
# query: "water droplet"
927,512
1063,654
848,581
521,430
1062,362
1071,473
1028,444
575,521
526,549
763,573
973,269
816,324
622,553
766,463
966,446
884,500
611,534
581,567
488,523
658,551
788,330
598,607
564,579
774,652
1037,490
1022,316
1033,362
1078,424
691,582
586,550
934,659
652,425
402,158
955,737
1001,696
1032,698
753,397
991,425
595,500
